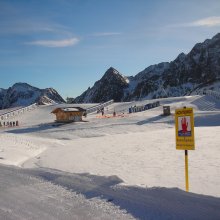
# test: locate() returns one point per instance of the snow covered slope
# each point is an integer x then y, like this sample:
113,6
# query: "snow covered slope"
24,196
129,160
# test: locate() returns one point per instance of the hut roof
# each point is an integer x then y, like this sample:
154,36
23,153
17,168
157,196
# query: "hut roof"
69,109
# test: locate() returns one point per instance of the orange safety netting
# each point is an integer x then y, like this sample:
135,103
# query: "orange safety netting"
112,116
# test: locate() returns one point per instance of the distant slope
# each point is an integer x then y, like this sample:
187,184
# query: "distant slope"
188,73
22,94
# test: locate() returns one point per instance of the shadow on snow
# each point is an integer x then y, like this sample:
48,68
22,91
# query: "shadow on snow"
142,203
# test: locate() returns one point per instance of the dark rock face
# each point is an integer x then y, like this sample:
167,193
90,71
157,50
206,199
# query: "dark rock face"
110,86
188,72
23,94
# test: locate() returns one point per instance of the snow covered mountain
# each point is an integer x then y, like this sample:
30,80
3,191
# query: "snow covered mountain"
23,94
188,73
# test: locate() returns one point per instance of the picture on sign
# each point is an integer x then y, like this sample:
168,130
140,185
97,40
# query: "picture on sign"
184,126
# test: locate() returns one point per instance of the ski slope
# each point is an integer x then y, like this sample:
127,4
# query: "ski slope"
134,154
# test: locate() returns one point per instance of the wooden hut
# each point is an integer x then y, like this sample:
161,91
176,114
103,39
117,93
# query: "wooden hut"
69,114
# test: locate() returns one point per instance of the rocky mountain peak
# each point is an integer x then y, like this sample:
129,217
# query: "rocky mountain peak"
22,87
114,76
110,86
21,84
112,70
23,94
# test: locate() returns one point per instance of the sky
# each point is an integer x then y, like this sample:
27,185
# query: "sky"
69,44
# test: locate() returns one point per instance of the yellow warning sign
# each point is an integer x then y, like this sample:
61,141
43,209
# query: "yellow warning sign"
184,121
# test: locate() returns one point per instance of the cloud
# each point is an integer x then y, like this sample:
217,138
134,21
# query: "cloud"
103,34
29,27
55,43
205,22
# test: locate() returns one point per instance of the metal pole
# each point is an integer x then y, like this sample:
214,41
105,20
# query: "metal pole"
186,171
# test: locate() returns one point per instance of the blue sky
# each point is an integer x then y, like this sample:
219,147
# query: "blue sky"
69,44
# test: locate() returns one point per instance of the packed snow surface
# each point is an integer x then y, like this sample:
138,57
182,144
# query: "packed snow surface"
127,163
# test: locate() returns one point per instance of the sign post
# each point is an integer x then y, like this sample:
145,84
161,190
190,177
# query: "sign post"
186,171
184,123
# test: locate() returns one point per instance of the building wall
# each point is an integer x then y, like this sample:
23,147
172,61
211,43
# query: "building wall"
69,116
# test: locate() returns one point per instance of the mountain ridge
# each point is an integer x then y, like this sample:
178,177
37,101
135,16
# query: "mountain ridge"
23,94
200,68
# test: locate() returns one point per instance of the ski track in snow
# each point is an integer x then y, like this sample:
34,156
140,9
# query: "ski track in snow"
24,196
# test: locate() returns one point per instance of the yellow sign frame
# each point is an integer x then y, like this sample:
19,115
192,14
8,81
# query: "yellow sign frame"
184,123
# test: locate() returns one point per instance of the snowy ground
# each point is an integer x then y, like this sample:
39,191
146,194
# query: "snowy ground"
124,160
22,196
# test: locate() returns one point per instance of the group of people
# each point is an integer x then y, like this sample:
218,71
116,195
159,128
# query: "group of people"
102,111
9,124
